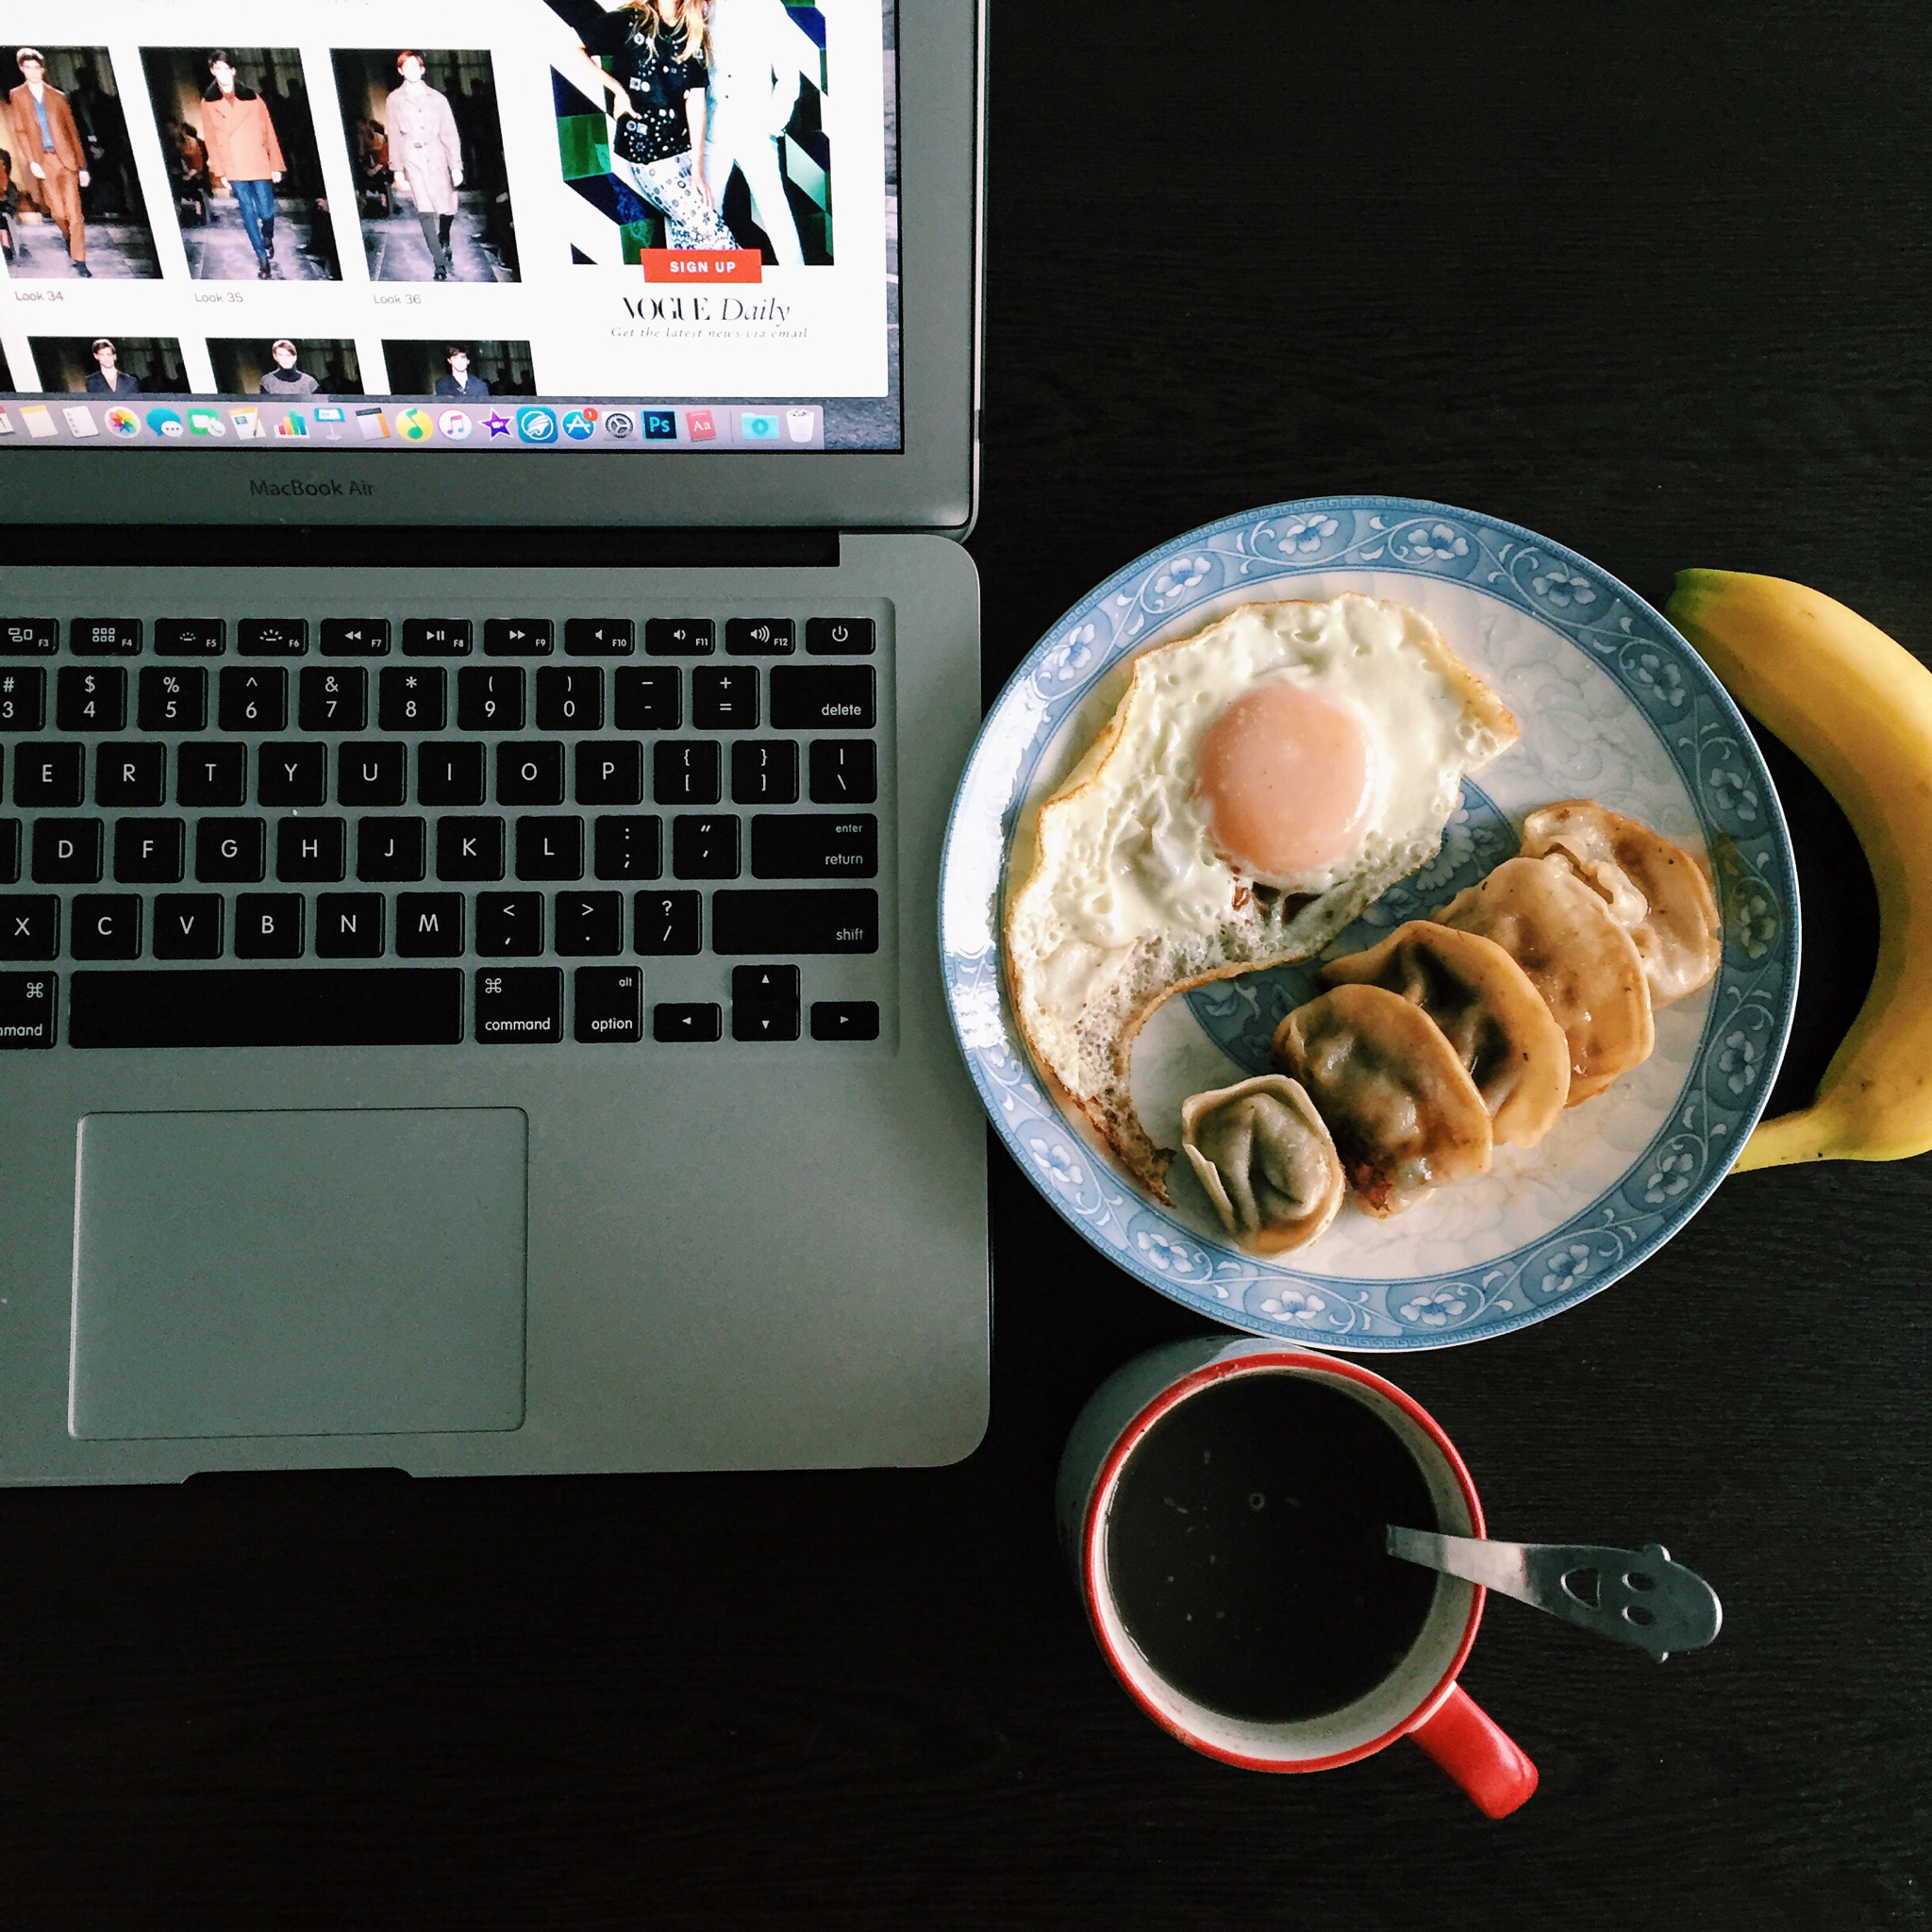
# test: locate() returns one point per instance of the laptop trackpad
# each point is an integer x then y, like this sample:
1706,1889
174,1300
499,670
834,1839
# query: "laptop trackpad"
315,1274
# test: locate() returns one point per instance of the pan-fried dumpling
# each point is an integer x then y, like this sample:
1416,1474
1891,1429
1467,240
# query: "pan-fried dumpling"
1585,965
1653,888
1494,1018
1266,1161
1404,1113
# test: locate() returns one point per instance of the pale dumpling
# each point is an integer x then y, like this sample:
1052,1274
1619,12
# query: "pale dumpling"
1502,1030
1406,1116
1583,963
1655,889
1266,1161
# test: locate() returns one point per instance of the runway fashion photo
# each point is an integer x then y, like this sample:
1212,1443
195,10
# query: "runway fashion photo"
426,141
69,204
237,129
459,369
113,367
285,367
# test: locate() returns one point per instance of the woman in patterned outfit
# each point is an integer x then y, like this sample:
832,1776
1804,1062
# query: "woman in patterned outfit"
656,84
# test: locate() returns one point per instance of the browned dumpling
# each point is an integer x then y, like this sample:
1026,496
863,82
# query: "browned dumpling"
1653,888
1266,1161
1501,1029
1585,965
1404,1113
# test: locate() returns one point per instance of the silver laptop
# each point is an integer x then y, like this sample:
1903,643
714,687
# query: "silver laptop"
484,651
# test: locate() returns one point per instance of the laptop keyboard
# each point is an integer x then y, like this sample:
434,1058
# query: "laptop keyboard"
429,830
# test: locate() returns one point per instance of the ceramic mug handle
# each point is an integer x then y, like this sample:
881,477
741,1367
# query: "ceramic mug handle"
1478,1753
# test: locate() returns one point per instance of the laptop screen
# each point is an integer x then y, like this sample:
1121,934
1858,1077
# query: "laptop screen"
411,225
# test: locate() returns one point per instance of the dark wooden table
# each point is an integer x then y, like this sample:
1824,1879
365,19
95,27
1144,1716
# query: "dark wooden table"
1650,279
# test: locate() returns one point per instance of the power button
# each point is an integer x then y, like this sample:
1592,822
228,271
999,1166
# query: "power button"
839,637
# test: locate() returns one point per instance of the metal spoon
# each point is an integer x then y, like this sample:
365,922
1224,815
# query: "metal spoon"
1637,1596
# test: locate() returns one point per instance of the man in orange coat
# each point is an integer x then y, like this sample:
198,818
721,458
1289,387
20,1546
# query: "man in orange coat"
47,144
244,151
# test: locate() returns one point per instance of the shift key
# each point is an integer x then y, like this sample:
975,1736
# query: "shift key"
812,846
773,925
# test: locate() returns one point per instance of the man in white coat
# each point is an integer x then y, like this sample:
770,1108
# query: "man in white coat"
753,87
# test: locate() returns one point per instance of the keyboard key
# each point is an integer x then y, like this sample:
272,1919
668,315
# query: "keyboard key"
764,1003
372,773
845,1020
252,700
436,637
312,851
29,1002
355,637
822,697
272,637
845,771
230,851
268,925
91,700
188,925
666,923
411,700
807,845
10,851
759,637
510,924
30,927
291,773
685,773
704,847
211,775
389,849
763,1021
22,700
569,698
104,925
686,1020
148,852
45,775
627,848
334,701
680,637
518,1006
449,774
529,775
609,1006
609,772
105,637
67,852
490,700
341,1006
724,697
648,698
796,921
28,637
839,637
764,771
348,926
516,637
599,637
589,924
550,848
173,700
469,849
130,774
189,636
429,925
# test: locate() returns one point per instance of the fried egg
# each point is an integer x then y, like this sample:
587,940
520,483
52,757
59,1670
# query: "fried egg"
1257,786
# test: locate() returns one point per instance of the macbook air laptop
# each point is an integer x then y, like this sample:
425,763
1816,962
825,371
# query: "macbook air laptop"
484,651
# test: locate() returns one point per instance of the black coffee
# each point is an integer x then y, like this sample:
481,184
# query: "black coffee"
1244,1548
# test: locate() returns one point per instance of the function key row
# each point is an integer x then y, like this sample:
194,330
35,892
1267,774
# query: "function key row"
408,698
132,775
439,637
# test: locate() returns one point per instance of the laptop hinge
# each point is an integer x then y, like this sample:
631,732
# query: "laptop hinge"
463,547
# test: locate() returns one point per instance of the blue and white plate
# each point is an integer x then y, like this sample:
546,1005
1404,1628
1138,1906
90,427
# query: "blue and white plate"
1615,705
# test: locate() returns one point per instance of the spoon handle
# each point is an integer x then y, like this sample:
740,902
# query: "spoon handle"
1637,1596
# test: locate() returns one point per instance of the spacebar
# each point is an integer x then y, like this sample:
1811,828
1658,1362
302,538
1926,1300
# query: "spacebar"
324,1005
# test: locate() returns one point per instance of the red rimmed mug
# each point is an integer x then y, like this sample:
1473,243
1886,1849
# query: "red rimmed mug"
1419,1698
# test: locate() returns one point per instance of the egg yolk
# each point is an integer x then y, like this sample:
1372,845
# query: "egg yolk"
1287,779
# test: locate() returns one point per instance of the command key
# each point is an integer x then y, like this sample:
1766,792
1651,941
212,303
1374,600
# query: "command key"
519,1005
27,1008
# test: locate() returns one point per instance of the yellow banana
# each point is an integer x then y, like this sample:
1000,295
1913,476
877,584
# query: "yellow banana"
1856,707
